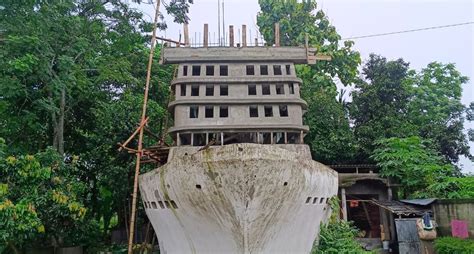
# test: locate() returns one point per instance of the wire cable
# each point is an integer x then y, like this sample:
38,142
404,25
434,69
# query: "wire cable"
409,31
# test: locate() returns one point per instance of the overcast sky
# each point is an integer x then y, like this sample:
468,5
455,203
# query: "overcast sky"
366,17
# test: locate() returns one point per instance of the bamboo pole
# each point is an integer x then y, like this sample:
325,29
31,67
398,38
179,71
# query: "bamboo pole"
140,136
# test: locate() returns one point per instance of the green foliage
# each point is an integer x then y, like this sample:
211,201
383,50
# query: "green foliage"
412,163
453,245
394,101
337,236
453,187
40,199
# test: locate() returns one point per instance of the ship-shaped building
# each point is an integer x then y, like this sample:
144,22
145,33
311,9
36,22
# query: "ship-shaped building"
239,178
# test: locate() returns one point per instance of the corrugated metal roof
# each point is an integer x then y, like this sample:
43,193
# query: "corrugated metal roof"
400,208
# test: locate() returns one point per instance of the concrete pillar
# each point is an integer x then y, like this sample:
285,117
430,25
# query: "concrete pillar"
390,217
344,204
206,35
244,36
231,36
186,34
277,34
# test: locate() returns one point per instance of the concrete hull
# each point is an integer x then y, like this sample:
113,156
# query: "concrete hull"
240,198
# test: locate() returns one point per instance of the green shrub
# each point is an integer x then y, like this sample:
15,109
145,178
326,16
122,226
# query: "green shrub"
453,245
337,236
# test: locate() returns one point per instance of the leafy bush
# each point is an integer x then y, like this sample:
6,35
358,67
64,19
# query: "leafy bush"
337,236
40,201
452,245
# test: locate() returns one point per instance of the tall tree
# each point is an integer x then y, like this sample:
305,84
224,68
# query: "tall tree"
437,110
394,101
379,107
330,137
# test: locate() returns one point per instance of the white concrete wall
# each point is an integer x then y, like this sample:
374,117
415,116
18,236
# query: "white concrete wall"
241,198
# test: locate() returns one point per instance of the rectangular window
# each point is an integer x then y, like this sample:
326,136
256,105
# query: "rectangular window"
268,111
252,90
276,69
209,90
250,70
195,90
292,88
185,139
209,112
263,70
224,70
199,139
209,70
278,138
196,70
266,89
280,89
266,137
288,69
223,111
293,138
253,110
183,89
185,70
193,112
224,90
216,137
283,111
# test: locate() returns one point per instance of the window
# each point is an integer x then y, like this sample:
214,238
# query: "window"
268,111
224,70
185,139
263,70
266,138
278,137
195,90
210,70
196,70
250,70
253,110
216,137
223,111
183,89
199,139
292,89
252,90
288,69
276,69
209,90
185,70
266,89
224,90
193,112
283,111
280,89
209,112
293,138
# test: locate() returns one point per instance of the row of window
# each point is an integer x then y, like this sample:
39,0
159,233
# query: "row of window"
224,70
227,138
224,111
224,89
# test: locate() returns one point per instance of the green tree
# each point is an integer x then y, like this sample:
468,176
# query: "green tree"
41,201
436,108
379,105
71,76
411,162
394,101
330,137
